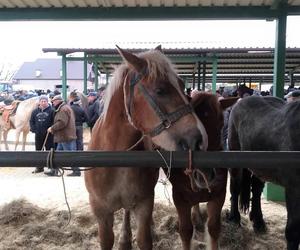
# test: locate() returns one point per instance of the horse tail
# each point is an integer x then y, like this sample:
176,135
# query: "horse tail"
245,191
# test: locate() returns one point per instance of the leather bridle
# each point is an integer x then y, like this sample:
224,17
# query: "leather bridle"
166,119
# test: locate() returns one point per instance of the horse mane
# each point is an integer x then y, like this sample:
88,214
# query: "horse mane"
210,99
158,66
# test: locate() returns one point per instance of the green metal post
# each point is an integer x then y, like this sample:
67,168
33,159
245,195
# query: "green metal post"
107,76
279,54
85,74
96,75
199,79
214,76
203,75
64,77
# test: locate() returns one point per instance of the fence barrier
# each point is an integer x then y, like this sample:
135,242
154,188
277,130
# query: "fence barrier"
179,159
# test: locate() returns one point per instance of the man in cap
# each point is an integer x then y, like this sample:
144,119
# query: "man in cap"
41,119
93,110
292,96
64,130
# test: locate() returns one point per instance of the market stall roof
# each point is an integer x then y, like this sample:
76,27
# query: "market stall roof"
233,64
144,9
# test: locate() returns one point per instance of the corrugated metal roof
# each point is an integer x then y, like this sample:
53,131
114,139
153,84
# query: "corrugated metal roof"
234,64
135,3
145,9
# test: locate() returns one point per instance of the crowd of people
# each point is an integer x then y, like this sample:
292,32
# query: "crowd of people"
59,125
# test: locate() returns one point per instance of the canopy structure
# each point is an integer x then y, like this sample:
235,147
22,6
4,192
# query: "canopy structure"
145,9
199,67
162,10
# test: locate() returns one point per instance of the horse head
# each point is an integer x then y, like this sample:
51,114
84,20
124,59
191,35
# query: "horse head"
156,105
210,111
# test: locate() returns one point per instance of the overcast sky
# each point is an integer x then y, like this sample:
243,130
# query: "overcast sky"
23,41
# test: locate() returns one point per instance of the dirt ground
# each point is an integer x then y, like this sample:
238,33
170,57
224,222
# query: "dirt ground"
34,215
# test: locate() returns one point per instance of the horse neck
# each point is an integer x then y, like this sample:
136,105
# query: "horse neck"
116,131
24,111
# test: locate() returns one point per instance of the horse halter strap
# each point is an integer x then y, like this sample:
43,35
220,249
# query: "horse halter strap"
167,119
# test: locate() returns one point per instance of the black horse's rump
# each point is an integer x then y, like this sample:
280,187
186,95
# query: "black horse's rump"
268,124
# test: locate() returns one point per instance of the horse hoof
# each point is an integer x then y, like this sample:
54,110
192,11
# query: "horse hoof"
125,246
231,218
260,227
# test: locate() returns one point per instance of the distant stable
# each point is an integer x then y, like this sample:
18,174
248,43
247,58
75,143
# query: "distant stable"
178,159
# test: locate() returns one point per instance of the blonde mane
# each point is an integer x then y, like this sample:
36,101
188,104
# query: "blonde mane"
158,66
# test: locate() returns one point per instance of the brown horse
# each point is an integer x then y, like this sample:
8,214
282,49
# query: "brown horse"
143,99
210,112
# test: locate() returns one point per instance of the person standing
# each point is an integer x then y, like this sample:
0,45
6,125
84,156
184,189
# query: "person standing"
80,118
40,120
93,109
64,130
101,94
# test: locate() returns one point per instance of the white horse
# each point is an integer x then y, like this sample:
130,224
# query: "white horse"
20,122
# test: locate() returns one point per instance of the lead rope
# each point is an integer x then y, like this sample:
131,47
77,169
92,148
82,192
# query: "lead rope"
165,180
61,171
189,172
134,145
45,141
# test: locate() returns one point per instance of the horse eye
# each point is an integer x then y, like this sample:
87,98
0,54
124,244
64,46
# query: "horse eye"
160,91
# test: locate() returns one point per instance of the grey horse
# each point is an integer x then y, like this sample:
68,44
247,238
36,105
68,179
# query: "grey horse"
269,124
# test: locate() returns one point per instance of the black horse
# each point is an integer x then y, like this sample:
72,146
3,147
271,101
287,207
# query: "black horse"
268,124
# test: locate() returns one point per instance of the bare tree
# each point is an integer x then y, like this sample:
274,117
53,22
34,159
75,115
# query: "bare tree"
7,71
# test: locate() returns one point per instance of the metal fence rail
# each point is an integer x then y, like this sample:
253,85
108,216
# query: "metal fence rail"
179,159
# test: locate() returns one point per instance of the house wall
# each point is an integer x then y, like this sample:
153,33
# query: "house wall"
49,84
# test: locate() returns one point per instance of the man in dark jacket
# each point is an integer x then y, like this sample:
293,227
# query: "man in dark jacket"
80,118
41,119
93,109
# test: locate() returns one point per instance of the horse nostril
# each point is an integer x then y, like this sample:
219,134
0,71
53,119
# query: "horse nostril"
183,144
198,143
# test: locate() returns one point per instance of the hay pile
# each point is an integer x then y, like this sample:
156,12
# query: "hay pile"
26,226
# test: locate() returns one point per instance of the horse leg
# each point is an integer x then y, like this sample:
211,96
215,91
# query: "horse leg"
143,214
292,231
125,235
24,134
235,189
105,221
214,209
5,132
17,138
184,221
256,215
197,218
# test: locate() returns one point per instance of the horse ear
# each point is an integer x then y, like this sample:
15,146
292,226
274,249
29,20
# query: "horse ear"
227,102
137,63
159,48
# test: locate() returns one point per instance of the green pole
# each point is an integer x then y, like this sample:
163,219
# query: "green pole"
85,74
64,77
107,75
214,76
96,75
279,54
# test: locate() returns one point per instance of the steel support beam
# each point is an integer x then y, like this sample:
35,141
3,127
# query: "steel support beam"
214,76
64,76
142,13
96,72
85,74
179,159
279,54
